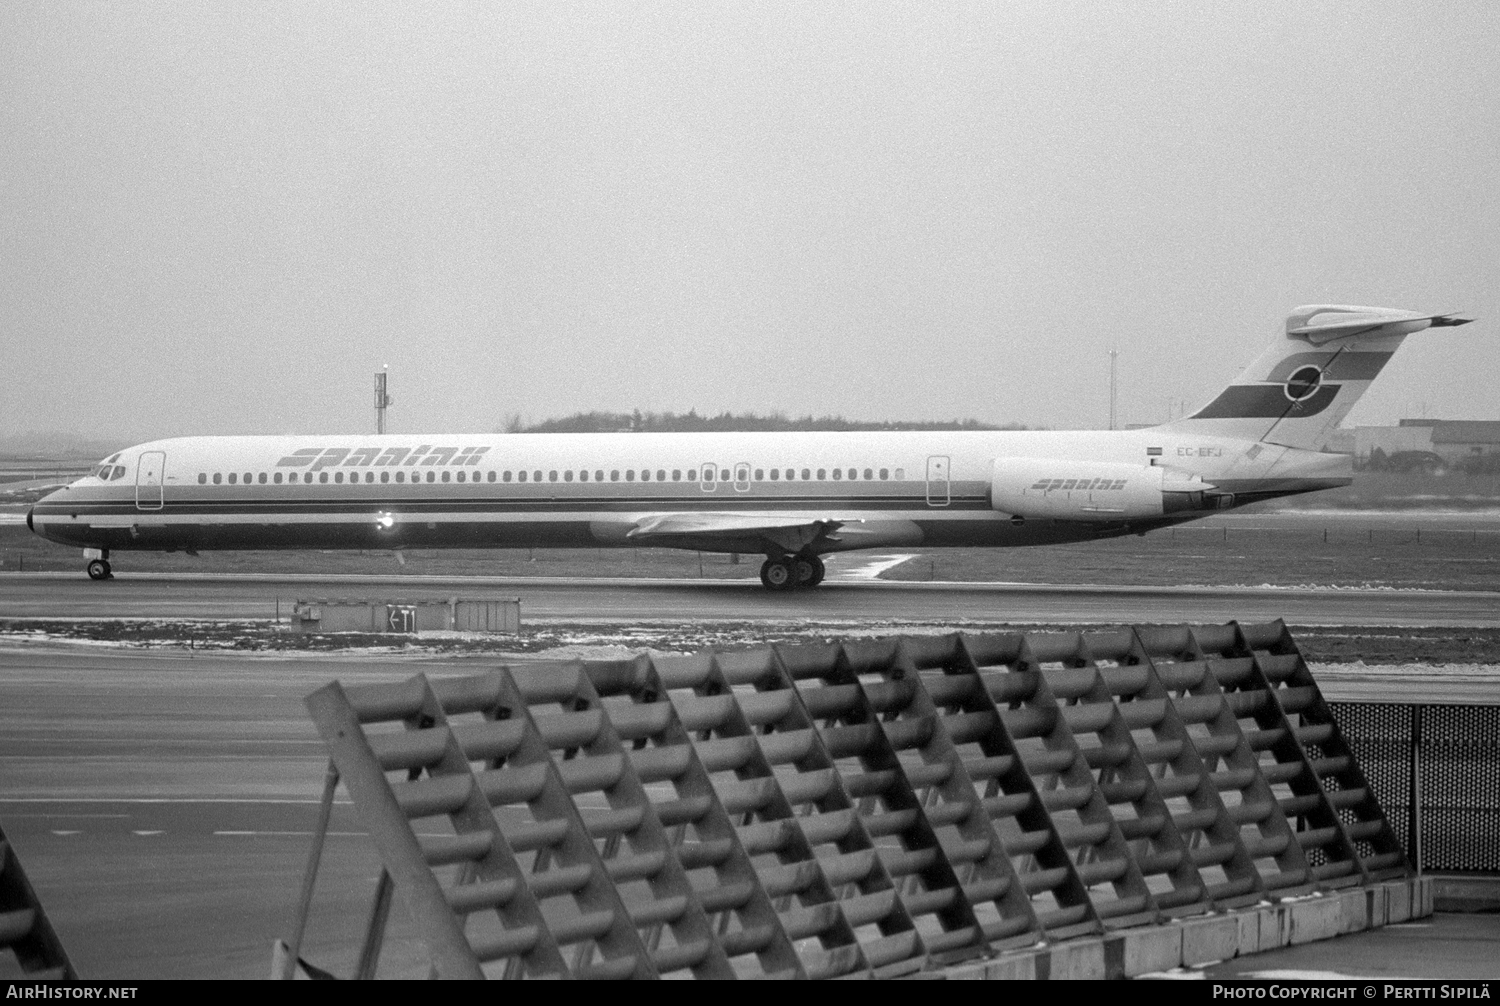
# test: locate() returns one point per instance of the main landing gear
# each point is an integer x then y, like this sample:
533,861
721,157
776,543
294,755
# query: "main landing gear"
98,567
791,572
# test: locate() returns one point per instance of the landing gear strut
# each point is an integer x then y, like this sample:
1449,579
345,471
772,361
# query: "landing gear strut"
791,572
99,570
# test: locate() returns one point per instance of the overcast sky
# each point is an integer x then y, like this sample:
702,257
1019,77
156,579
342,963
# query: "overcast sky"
223,218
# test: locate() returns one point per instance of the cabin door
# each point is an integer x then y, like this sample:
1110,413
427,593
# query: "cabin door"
937,480
150,472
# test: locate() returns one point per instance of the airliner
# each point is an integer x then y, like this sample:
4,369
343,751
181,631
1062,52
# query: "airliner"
794,497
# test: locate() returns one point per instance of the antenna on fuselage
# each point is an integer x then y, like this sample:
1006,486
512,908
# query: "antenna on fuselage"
381,398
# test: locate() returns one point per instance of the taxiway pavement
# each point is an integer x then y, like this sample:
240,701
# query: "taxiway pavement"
256,596
163,804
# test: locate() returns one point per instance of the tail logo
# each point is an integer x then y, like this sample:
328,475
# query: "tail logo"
1303,383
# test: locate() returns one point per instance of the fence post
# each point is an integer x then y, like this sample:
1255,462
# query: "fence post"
1414,791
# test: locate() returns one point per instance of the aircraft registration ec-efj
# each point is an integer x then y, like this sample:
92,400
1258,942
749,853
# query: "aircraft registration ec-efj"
792,496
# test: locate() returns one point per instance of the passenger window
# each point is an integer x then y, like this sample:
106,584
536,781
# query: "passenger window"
490,475
661,475
599,475
885,473
645,475
385,476
338,476
822,474
583,475
369,476
521,476
692,475
203,478
233,478
630,475
400,476
568,475
676,474
759,474
276,478
900,474
536,476
806,474
460,476
323,476
837,474
216,478
445,476
432,476
774,473
614,475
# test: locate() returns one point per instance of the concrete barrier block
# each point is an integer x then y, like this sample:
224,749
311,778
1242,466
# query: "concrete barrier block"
1143,951
1077,959
1315,919
1248,920
1397,901
1275,927
1354,910
966,973
1375,906
1216,938
1012,967
1422,901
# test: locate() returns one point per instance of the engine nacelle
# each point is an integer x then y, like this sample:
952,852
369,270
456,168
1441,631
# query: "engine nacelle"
1094,490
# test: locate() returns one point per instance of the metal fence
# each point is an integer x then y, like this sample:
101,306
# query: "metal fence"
1443,760
870,807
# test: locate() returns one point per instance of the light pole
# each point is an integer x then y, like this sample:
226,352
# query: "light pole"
381,399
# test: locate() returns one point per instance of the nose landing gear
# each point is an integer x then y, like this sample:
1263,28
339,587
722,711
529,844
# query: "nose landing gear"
98,566
791,572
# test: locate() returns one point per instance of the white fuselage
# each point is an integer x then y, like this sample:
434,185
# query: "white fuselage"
496,491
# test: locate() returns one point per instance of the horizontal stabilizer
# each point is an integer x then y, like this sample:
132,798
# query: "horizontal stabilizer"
1324,323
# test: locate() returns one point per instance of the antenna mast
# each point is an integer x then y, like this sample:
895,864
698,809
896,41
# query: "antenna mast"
381,399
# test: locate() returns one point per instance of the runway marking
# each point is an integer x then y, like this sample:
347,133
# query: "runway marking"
147,834
228,833
873,566
165,799
58,831
19,817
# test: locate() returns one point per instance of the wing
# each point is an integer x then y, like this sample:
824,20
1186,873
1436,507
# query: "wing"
733,532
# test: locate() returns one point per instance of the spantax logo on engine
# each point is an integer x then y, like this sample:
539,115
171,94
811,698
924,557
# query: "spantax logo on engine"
1048,485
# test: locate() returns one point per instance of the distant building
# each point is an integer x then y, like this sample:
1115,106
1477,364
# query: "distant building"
1340,442
1470,444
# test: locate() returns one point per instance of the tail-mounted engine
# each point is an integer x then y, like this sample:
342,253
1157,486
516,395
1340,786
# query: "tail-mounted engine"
1096,490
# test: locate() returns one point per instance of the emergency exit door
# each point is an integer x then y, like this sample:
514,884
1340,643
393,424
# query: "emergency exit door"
937,480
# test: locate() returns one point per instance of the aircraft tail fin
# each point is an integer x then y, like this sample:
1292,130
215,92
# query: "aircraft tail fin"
1303,385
